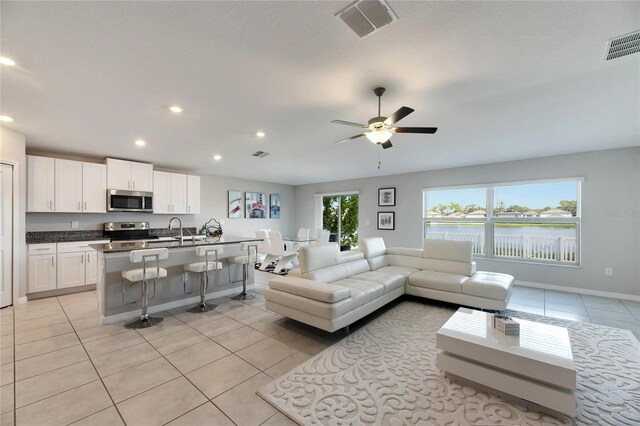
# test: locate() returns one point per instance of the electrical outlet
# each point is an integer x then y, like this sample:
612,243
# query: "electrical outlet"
608,272
74,224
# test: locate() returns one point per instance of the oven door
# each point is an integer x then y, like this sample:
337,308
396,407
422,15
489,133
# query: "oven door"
129,201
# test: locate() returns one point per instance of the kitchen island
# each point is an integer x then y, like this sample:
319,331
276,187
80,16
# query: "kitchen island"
118,300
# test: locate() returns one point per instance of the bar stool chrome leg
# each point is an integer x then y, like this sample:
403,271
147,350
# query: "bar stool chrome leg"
203,306
244,295
145,320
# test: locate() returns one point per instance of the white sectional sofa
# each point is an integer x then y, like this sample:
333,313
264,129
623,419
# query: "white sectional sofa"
331,290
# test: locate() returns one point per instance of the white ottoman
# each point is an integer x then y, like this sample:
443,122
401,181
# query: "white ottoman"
489,285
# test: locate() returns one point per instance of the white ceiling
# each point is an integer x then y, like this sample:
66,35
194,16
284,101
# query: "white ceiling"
501,80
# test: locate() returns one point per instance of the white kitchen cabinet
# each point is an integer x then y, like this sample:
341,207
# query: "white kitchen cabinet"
42,267
94,188
193,194
40,184
91,267
71,269
142,177
170,193
62,265
161,192
178,193
68,186
129,175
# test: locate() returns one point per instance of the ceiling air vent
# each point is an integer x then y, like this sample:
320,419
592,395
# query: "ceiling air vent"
366,16
623,46
260,154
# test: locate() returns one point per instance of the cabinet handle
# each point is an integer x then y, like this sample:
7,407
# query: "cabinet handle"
79,208
128,184
189,208
134,184
41,249
50,205
88,259
52,265
82,259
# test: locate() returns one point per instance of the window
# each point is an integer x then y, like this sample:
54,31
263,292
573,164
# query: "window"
340,217
530,221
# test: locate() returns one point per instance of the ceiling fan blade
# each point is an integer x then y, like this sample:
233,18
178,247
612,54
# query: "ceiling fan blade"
386,145
398,115
349,123
415,129
348,139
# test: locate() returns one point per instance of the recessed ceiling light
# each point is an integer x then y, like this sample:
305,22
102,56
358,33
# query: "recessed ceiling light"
7,61
175,108
260,134
140,142
6,119
217,157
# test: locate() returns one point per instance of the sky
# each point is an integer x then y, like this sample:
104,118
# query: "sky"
534,196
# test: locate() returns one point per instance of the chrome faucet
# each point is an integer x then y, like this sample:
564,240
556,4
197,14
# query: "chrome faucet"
180,223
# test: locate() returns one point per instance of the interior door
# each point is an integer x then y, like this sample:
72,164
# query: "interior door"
6,235
94,188
68,186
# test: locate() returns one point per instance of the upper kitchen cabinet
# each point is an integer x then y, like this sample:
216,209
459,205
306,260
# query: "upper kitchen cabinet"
193,194
94,188
40,184
80,187
176,193
129,175
68,186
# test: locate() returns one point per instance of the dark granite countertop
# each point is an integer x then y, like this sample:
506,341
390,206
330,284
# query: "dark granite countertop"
45,237
124,246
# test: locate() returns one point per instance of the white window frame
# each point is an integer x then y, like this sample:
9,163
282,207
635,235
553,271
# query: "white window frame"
489,221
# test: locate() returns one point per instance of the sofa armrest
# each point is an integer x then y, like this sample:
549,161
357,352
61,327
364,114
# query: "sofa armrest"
473,268
322,292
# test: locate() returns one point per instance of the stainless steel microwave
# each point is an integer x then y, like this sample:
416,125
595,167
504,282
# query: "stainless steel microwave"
129,201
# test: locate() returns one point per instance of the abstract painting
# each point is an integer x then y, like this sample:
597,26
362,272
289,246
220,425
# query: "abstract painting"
256,205
235,205
274,206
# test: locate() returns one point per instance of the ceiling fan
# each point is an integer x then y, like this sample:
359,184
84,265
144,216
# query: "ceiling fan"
380,129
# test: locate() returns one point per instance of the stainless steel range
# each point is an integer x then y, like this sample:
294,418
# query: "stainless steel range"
128,231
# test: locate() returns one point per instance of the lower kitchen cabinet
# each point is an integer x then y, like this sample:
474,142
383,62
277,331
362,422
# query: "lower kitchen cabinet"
62,265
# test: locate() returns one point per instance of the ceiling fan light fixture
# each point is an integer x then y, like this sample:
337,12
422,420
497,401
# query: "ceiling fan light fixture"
378,136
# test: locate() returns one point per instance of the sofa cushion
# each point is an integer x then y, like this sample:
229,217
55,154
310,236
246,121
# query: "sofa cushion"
327,274
388,280
456,251
438,281
372,247
322,292
362,291
491,285
378,262
400,270
350,255
401,251
312,307
317,256
355,267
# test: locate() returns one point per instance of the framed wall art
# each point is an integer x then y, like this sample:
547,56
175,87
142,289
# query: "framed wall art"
255,205
274,206
235,204
387,221
386,197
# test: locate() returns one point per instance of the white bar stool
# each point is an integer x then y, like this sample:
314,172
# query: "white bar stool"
143,275
210,263
245,261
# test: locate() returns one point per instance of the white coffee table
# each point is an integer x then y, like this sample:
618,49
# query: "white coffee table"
536,366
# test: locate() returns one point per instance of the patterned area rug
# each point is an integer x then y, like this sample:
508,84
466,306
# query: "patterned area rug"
385,374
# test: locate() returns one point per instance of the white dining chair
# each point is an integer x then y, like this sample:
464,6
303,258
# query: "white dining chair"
277,249
264,248
322,236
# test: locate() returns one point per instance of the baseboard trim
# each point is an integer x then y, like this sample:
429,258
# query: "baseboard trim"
124,316
22,300
588,292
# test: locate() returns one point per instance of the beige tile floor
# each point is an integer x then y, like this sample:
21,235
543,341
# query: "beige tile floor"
60,366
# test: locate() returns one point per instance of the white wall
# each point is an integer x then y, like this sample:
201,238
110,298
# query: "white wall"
213,204
612,181
12,150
